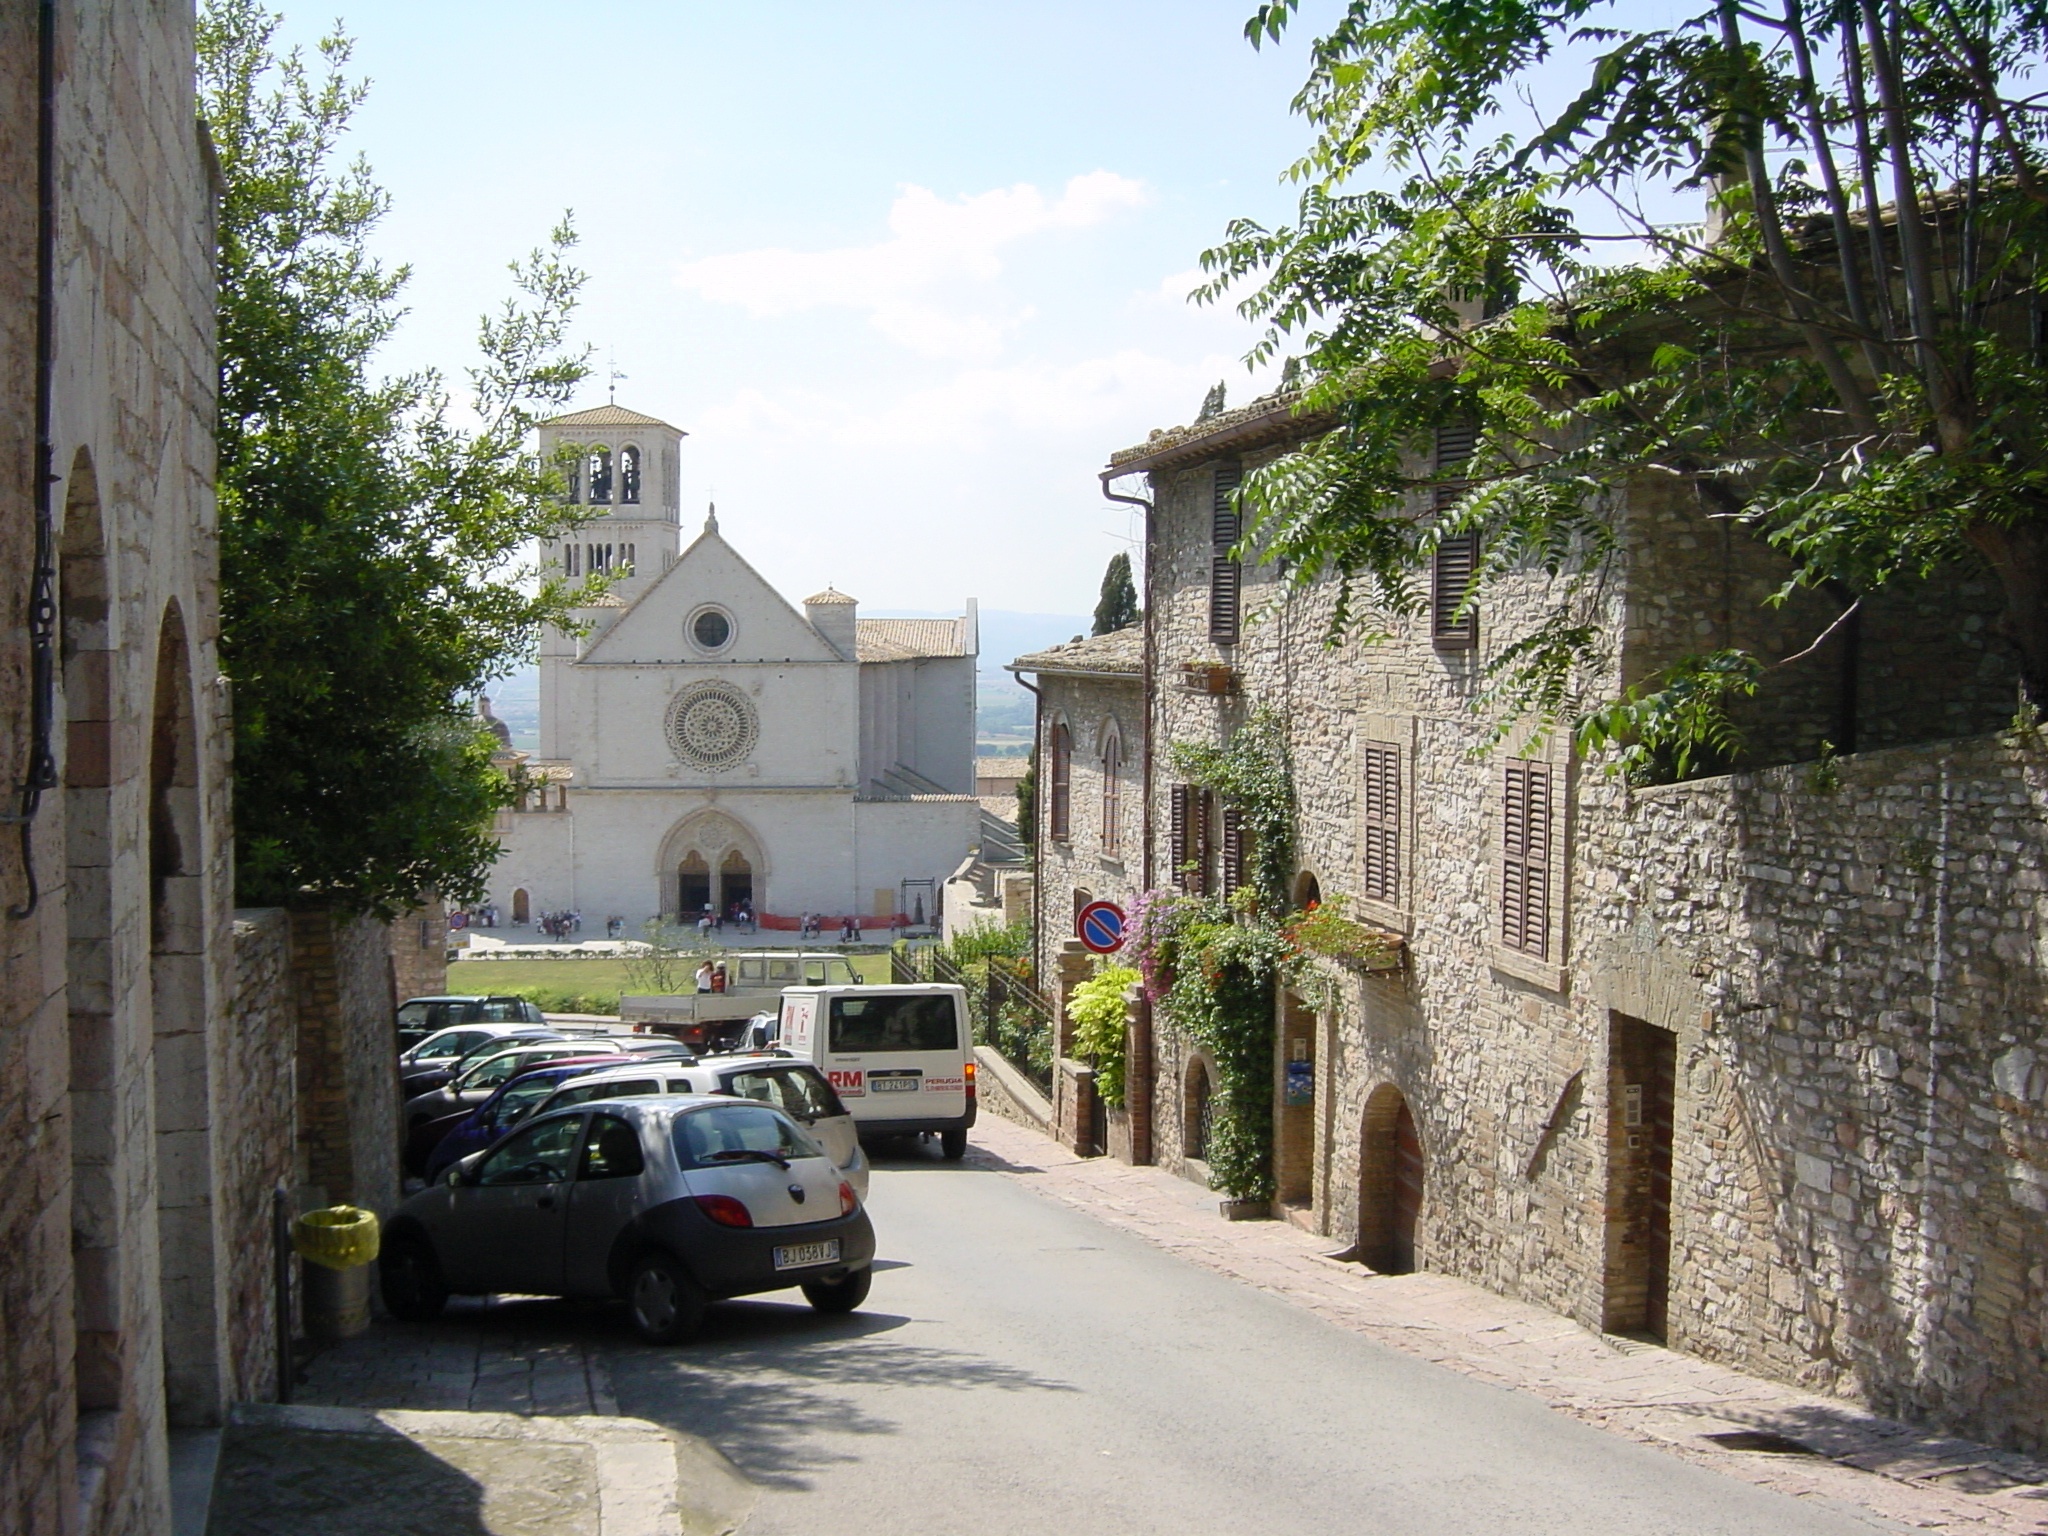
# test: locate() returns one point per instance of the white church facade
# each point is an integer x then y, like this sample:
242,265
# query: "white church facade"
704,742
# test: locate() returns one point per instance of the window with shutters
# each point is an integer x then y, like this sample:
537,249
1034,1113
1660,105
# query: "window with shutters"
1456,559
1226,576
1059,798
1188,839
1528,829
1379,795
1112,789
1230,848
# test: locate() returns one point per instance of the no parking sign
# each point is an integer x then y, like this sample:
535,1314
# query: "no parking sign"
1100,927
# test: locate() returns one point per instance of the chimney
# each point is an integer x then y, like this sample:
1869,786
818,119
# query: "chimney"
833,615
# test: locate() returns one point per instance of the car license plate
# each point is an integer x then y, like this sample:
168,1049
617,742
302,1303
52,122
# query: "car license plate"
801,1255
893,1084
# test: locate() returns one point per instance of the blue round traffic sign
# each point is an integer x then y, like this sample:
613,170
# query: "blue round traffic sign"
1100,927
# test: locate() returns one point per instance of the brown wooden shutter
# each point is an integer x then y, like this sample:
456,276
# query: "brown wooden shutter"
1231,872
1450,582
1380,796
1225,579
1201,828
1177,837
1060,800
1526,831
1456,559
1226,576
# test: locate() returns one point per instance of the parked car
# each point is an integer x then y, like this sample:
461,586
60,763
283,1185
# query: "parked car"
429,1116
441,1055
667,1203
419,1017
796,1088
533,1089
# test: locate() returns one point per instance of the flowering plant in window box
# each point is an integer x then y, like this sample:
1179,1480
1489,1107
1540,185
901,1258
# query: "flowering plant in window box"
1321,928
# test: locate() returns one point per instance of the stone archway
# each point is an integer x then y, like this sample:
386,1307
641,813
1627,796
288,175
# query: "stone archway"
724,852
180,1081
522,907
1390,1183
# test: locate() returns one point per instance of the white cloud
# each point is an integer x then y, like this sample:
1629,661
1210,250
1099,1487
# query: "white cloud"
919,287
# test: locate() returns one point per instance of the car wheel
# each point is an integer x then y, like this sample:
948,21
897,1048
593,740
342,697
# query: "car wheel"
664,1302
953,1143
841,1295
409,1276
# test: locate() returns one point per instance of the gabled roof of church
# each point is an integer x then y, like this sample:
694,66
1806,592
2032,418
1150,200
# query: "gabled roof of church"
609,416
909,639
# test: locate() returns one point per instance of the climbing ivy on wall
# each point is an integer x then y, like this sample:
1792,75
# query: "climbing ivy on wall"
1252,774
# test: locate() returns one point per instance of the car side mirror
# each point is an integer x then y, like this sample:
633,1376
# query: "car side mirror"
453,1178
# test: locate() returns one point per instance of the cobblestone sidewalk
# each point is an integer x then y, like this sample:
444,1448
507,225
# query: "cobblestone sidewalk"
1803,1445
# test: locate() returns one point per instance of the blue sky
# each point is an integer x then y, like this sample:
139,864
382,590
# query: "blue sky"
907,273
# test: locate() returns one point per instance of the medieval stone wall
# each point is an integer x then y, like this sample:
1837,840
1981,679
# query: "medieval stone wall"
347,1058
1852,965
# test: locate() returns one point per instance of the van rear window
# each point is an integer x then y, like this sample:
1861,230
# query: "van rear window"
899,1023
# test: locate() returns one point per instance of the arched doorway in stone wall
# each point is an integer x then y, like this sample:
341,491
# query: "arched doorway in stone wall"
180,1079
1198,1109
1391,1184
723,852
693,886
522,906
735,882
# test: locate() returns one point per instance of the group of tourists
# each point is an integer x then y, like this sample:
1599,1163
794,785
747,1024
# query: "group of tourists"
559,925
740,914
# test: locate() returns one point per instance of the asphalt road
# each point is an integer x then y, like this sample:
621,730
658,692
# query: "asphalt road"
1021,1368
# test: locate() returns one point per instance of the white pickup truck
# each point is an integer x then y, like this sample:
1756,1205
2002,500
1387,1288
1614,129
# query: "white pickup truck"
711,1021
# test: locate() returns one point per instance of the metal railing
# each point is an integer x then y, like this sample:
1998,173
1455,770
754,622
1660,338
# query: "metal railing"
1008,1013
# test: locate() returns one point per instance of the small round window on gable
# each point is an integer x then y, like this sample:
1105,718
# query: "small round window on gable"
711,629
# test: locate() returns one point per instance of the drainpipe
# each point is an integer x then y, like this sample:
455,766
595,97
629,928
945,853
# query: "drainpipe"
1142,1066
39,771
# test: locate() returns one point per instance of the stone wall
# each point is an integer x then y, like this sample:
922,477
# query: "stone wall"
257,1149
347,1058
419,951
1854,972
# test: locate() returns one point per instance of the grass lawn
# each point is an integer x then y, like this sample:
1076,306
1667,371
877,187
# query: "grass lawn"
580,986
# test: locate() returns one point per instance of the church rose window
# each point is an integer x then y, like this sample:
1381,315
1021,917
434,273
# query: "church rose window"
711,629
713,726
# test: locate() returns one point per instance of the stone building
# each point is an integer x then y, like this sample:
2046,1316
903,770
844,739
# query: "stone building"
704,741
1749,1064
1092,820
140,1135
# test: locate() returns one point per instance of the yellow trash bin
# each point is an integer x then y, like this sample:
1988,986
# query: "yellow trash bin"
338,1245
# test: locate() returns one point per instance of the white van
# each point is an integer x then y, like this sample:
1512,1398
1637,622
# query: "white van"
899,1057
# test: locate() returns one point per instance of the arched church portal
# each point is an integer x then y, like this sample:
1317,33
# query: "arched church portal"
711,859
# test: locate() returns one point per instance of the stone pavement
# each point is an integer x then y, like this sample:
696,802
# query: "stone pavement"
1768,1434
323,1471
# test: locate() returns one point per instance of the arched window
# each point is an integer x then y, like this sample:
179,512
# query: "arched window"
571,566
629,477
1060,782
1112,788
629,559
572,481
600,477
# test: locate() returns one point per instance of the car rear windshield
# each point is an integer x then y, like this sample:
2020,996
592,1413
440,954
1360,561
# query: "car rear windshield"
708,1138
920,1022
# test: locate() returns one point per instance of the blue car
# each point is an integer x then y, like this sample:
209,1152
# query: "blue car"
517,1096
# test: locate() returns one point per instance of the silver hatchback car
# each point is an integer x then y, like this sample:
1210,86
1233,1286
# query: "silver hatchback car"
669,1203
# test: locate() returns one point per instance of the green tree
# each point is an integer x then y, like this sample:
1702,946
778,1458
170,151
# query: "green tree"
1027,803
1117,607
1844,360
368,541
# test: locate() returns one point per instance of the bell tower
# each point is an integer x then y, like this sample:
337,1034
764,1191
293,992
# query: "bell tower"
627,471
